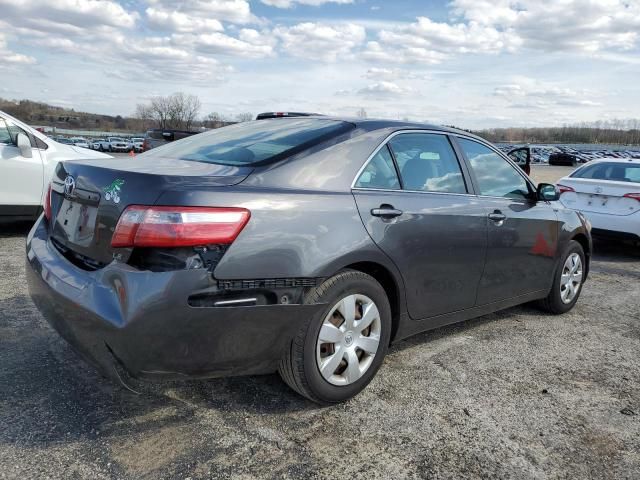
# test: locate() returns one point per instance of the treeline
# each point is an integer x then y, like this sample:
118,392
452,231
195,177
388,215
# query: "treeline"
617,132
42,114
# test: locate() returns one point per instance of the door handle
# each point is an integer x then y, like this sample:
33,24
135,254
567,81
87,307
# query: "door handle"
386,211
498,217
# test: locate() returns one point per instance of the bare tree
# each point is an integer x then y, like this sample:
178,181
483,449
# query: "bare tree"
178,110
244,117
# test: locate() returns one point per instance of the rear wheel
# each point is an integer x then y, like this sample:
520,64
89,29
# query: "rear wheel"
568,280
335,354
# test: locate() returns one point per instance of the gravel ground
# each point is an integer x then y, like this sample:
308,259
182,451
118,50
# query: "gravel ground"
517,394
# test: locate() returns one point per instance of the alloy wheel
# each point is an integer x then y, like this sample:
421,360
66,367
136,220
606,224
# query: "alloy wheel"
571,278
348,340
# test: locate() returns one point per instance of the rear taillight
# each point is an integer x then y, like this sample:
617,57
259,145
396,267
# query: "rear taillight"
47,204
635,196
143,226
564,189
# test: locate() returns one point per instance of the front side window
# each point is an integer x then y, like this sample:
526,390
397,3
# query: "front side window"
427,163
380,172
251,143
496,176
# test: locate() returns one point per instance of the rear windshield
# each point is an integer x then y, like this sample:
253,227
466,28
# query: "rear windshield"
619,172
251,143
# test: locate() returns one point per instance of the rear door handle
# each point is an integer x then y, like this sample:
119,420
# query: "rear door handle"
386,211
497,217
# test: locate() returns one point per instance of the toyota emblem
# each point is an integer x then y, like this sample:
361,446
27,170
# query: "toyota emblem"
598,189
69,186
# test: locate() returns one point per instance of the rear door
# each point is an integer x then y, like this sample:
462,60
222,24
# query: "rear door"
21,178
415,201
522,232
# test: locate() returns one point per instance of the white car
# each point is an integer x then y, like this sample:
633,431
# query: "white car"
607,192
27,161
79,142
96,143
137,143
118,144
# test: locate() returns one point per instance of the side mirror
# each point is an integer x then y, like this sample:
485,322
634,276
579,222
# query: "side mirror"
24,144
548,192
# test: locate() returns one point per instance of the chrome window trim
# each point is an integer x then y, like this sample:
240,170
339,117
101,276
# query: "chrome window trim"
425,192
384,143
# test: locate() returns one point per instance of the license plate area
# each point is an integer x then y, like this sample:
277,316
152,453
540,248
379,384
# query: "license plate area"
77,221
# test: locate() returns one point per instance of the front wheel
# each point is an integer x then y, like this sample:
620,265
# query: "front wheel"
337,353
568,280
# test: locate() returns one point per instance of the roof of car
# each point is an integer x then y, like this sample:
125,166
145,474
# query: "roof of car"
370,124
613,160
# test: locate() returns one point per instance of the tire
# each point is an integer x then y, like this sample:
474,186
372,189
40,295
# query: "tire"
101,148
299,367
554,302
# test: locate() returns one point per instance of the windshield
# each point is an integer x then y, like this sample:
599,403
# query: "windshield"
619,172
250,143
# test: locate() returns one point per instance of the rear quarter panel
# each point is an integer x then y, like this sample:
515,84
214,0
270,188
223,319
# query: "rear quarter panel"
291,234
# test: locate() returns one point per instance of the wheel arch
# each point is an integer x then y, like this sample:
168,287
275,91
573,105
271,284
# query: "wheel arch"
583,240
391,286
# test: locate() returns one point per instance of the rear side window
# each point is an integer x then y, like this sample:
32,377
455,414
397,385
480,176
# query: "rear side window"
427,163
619,172
251,143
379,172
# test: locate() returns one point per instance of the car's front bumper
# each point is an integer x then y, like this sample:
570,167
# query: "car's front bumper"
127,321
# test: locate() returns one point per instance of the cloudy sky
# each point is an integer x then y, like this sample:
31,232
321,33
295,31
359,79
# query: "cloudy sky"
472,63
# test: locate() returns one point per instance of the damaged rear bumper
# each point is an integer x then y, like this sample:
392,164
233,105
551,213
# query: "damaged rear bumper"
135,323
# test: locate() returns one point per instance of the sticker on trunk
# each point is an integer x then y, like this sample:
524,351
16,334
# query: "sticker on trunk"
112,191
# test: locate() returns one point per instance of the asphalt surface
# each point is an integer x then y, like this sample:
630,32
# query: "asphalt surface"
516,394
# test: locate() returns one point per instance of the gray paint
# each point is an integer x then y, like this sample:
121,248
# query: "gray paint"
448,261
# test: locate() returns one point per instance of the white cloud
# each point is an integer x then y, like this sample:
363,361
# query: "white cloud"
291,3
320,41
235,11
249,45
10,58
180,22
385,89
574,25
529,93
78,13
505,26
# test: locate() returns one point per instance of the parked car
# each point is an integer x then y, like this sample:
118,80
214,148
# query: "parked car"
159,136
522,157
79,142
64,141
96,143
563,159
27,161
607,192
138,144
119,144
302,245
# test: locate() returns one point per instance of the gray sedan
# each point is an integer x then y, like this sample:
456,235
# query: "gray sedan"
300,245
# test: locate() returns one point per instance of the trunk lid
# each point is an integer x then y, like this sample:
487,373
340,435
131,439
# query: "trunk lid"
86,209
600,196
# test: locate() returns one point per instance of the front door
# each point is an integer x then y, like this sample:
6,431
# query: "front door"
21,178
523,232
414,201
